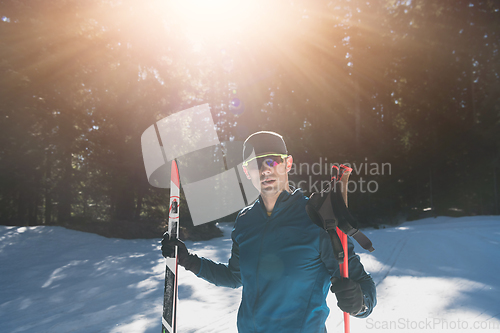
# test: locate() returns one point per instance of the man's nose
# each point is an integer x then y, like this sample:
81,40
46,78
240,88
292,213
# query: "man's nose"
265,169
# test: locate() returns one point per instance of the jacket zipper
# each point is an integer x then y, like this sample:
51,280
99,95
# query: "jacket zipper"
268,218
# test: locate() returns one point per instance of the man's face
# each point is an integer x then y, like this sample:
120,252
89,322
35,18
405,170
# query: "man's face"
272,177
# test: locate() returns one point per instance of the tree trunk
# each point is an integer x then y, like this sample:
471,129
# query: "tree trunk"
495,188
431,199
35,199
357,114
138,207
124,208
47,190
64,195
21,207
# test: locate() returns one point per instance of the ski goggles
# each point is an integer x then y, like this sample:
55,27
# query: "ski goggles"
270,160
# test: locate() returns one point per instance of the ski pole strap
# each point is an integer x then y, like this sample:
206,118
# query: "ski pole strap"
338,250
345,220
328,210
319,209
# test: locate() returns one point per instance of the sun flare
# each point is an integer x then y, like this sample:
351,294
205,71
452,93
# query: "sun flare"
210,19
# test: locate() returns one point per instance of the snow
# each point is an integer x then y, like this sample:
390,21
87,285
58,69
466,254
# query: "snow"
432,275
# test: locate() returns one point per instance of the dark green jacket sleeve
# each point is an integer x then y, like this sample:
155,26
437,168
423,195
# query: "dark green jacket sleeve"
356,271
222,274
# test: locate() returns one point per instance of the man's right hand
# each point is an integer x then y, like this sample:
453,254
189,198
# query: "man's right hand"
191,262
349,295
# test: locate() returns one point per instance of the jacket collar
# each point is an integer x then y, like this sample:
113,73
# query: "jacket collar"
284,200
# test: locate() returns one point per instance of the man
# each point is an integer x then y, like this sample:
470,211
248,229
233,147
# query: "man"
282,259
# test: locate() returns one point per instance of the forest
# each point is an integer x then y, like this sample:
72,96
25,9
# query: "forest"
405,91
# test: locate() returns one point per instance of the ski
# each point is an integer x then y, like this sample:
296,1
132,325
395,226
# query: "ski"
170,297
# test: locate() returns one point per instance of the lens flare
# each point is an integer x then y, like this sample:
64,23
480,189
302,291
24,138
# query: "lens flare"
210,21
236,106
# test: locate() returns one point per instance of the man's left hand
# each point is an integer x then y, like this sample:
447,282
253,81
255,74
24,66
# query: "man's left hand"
349,295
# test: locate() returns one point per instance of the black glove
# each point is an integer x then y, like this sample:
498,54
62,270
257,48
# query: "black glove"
191,262
349,295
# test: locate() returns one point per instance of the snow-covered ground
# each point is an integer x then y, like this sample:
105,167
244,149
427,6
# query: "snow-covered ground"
432,275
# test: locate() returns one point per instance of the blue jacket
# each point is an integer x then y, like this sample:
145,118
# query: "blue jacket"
284,262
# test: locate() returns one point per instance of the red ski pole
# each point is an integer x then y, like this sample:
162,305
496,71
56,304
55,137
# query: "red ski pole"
344,272
343,173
